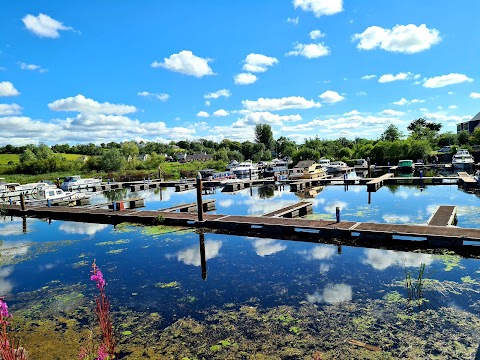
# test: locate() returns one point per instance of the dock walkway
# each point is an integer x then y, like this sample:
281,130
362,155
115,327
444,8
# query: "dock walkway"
444,216
299,209
375,184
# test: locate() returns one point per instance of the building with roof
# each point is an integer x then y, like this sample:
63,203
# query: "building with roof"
469,126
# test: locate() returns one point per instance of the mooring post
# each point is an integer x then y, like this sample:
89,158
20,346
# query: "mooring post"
199,197
203,258
337,213
368,168
22,201
159,173
49,203
10,201
250,174
24,224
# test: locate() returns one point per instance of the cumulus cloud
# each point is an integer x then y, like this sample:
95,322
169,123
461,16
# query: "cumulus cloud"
261,117
186,63
44,26
265,247
203,114
319,252
291,102
368,77
10,109
445,80
390,112
245,79
332,294
293,20
7,89
383,259
407,39
310,51
390,77
475,95
220,112
330,96
84,105
32,67
258,62
320,7
445,117
160,96
191,255
316,34
215,95
404,101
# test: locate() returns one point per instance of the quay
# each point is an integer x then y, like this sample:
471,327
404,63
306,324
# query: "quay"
275,227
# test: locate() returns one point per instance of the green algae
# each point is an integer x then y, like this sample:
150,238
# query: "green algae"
162,229
16,254
469,280
116,251
188,299
169,285
80,264
394,297
116,242
450,260
126,332
295,330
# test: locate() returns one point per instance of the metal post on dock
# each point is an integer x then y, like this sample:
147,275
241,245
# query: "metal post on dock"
369,172
337,213
250,174
159,173
199,197
369,197
24,224
203,258
22,201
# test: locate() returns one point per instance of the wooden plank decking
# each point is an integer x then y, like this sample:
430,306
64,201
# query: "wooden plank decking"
299,209
443,216
375,184
208,205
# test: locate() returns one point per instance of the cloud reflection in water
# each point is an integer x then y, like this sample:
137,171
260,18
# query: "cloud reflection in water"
382,259
191,255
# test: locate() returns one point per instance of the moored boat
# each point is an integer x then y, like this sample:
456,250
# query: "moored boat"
336,166
76,182
462,160
245,168
406,166
307,169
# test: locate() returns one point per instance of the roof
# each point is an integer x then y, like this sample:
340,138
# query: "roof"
476,117
305,163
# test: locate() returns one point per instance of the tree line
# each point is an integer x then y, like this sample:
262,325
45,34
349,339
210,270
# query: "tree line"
391,146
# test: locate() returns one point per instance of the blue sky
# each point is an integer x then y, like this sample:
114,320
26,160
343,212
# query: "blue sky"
100,71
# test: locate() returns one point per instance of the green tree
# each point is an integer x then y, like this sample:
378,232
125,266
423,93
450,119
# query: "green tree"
305,154
264,135
463,137
421,129
476,136
111,160
130,151
391,133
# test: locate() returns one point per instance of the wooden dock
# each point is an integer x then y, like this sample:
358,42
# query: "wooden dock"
273,227
467,180
444,216
375,184
208,205
299,209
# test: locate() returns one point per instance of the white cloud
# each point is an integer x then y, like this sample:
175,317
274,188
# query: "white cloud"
83,105
161,96
191,255
444,80
389,77
186,63
475,95
310,51
361,93
10,109
44,26
382,259
330,96
390,112
332,294
316,34
368,77
407,39
331,206
258,62
320,7
221,112
207,103
81,228
215,95
32,67
253,118
245,79
293,20
353,112
404,101
291,102
7,89
319,252
264,247
203,114
445,117
453,107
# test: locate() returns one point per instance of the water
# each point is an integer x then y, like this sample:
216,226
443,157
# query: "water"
262,297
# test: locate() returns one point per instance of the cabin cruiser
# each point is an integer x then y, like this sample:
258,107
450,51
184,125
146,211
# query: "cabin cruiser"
246,168
56,195
9,189
233,164
307,169
276,168
336,167
76,182
361,164
477,176
462,160
212,175
406,166
325,163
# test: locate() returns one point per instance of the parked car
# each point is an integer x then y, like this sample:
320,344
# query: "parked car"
445,149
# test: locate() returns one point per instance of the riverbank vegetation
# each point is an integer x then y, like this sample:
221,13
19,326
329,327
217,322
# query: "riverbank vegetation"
129,159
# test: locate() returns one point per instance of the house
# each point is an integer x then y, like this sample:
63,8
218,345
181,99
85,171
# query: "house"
143,157
198,157
83,158
469,126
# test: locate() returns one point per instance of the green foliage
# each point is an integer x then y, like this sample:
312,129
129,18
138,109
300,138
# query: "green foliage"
463,137
391,134
264,135
305,154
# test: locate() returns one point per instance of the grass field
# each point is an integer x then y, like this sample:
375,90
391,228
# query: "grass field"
6,158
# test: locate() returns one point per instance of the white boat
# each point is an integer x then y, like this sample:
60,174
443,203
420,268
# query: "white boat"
10,189
33,188
336,166
276,167
361,164
307,169
325,163
56,195
462,160
245,168
477,176
233,164
76,182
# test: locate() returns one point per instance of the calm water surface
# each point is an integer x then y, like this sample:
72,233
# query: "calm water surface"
157,270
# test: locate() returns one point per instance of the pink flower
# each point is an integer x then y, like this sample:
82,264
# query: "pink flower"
102,353
98,277
3,308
